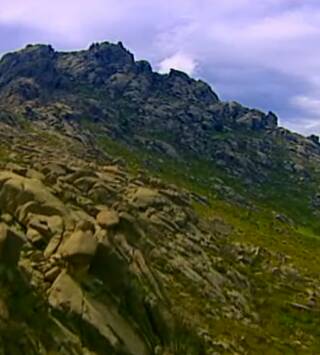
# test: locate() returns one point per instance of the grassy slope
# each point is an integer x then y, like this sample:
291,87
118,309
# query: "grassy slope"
258,227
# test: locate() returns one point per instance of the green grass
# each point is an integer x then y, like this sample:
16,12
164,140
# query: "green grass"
258,226
4,154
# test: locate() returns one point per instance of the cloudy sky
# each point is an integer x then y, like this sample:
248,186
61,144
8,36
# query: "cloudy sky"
263,53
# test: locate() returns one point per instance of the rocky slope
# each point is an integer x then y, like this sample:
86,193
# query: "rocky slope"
142,215
103,94
170,113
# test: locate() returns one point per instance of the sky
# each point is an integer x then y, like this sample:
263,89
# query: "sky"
263,53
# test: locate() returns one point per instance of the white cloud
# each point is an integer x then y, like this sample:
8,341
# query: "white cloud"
307,104
304,125
73,19
309,121
178,61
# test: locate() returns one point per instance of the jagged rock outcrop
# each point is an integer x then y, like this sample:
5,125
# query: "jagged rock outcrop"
173,113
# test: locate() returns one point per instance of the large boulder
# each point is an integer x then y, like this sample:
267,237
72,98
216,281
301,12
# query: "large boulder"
257,120
16,191
107,218
144,197
79,248
67,295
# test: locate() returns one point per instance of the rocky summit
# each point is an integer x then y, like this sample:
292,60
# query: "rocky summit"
140,214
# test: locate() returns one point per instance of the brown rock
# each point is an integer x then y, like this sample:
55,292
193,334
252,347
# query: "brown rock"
107,218
79,248
52,274
144,197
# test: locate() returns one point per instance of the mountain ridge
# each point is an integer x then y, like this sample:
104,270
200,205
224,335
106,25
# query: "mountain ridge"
139,214
113,69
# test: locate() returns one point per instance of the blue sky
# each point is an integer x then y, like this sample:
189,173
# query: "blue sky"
262,53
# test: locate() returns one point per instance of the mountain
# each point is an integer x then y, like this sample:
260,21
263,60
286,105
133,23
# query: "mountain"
140,214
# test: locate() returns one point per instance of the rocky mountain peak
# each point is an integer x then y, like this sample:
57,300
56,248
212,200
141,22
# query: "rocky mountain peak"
108,53
34,61
271,120
174,74
129,99
142,215
143,66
